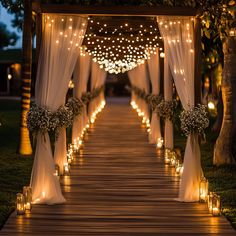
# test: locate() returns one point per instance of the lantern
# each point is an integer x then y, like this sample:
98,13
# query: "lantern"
66,169
216,205
209,201
27,193
160,142
173,158
179,168
57,170
20,204
167,156
203,190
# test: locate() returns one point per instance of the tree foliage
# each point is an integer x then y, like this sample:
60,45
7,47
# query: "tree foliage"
16,8
7,38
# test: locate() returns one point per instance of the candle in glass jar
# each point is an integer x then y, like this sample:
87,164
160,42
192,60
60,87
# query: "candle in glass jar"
27,192
20,204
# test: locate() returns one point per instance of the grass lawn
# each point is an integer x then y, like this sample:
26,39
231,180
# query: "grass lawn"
15,170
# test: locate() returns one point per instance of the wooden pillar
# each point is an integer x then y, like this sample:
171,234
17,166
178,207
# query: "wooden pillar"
168,96
197,61
25,145
38,36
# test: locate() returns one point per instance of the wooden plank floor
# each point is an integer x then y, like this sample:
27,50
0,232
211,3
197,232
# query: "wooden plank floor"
119,186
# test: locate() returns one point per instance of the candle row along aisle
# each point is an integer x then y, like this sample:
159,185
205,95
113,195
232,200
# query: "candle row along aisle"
24,201
173,160
77,145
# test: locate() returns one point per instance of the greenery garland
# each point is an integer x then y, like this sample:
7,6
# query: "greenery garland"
194,120
43,120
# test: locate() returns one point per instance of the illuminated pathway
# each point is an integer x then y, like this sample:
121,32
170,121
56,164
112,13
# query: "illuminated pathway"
119,187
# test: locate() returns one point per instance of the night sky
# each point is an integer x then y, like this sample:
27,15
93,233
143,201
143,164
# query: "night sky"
6,19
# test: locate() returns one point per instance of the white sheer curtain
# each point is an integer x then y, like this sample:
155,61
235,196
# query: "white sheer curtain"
80,76
133,78
62,37
139,78
178,38
168,96
98,77
154,72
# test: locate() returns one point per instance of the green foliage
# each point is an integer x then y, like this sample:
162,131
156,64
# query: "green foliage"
7,38
16,8
15,170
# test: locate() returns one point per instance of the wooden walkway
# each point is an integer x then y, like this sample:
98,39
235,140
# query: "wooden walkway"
119,186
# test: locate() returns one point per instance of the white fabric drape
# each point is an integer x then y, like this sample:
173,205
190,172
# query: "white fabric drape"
178,38
98,77
61,38
139,78
154,72
81,76
168,96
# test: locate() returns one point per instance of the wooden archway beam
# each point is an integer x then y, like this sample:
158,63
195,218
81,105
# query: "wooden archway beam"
114,10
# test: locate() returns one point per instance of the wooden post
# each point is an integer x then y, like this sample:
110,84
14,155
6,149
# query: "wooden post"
197,61
38,36
25,145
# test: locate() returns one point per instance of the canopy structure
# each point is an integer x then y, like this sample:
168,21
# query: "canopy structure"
118,39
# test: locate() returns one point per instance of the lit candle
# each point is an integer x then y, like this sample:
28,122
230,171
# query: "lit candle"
203,189
173,158
167,156
57,170
231,33
20,204
66,169
216,205
27,193
209,201
160,142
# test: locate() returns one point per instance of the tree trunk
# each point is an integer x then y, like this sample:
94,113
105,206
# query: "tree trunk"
217,125
223,146
25,145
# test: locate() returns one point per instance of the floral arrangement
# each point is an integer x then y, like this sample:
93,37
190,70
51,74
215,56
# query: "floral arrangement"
75,105
86,98
44,120
166,109
139,92
39,118
153,101
194,120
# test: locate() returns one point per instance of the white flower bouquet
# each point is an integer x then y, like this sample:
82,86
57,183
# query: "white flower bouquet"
153,101
39,118
166,109
194,120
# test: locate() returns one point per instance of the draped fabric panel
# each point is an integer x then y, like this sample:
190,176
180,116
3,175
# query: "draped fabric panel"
98,77
168,96
154,72
139,78
61,38
178,38
81,76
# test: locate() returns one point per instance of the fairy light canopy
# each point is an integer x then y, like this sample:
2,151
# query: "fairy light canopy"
119,44
118,38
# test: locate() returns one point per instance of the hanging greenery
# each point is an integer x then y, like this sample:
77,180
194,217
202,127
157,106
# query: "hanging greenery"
194,120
